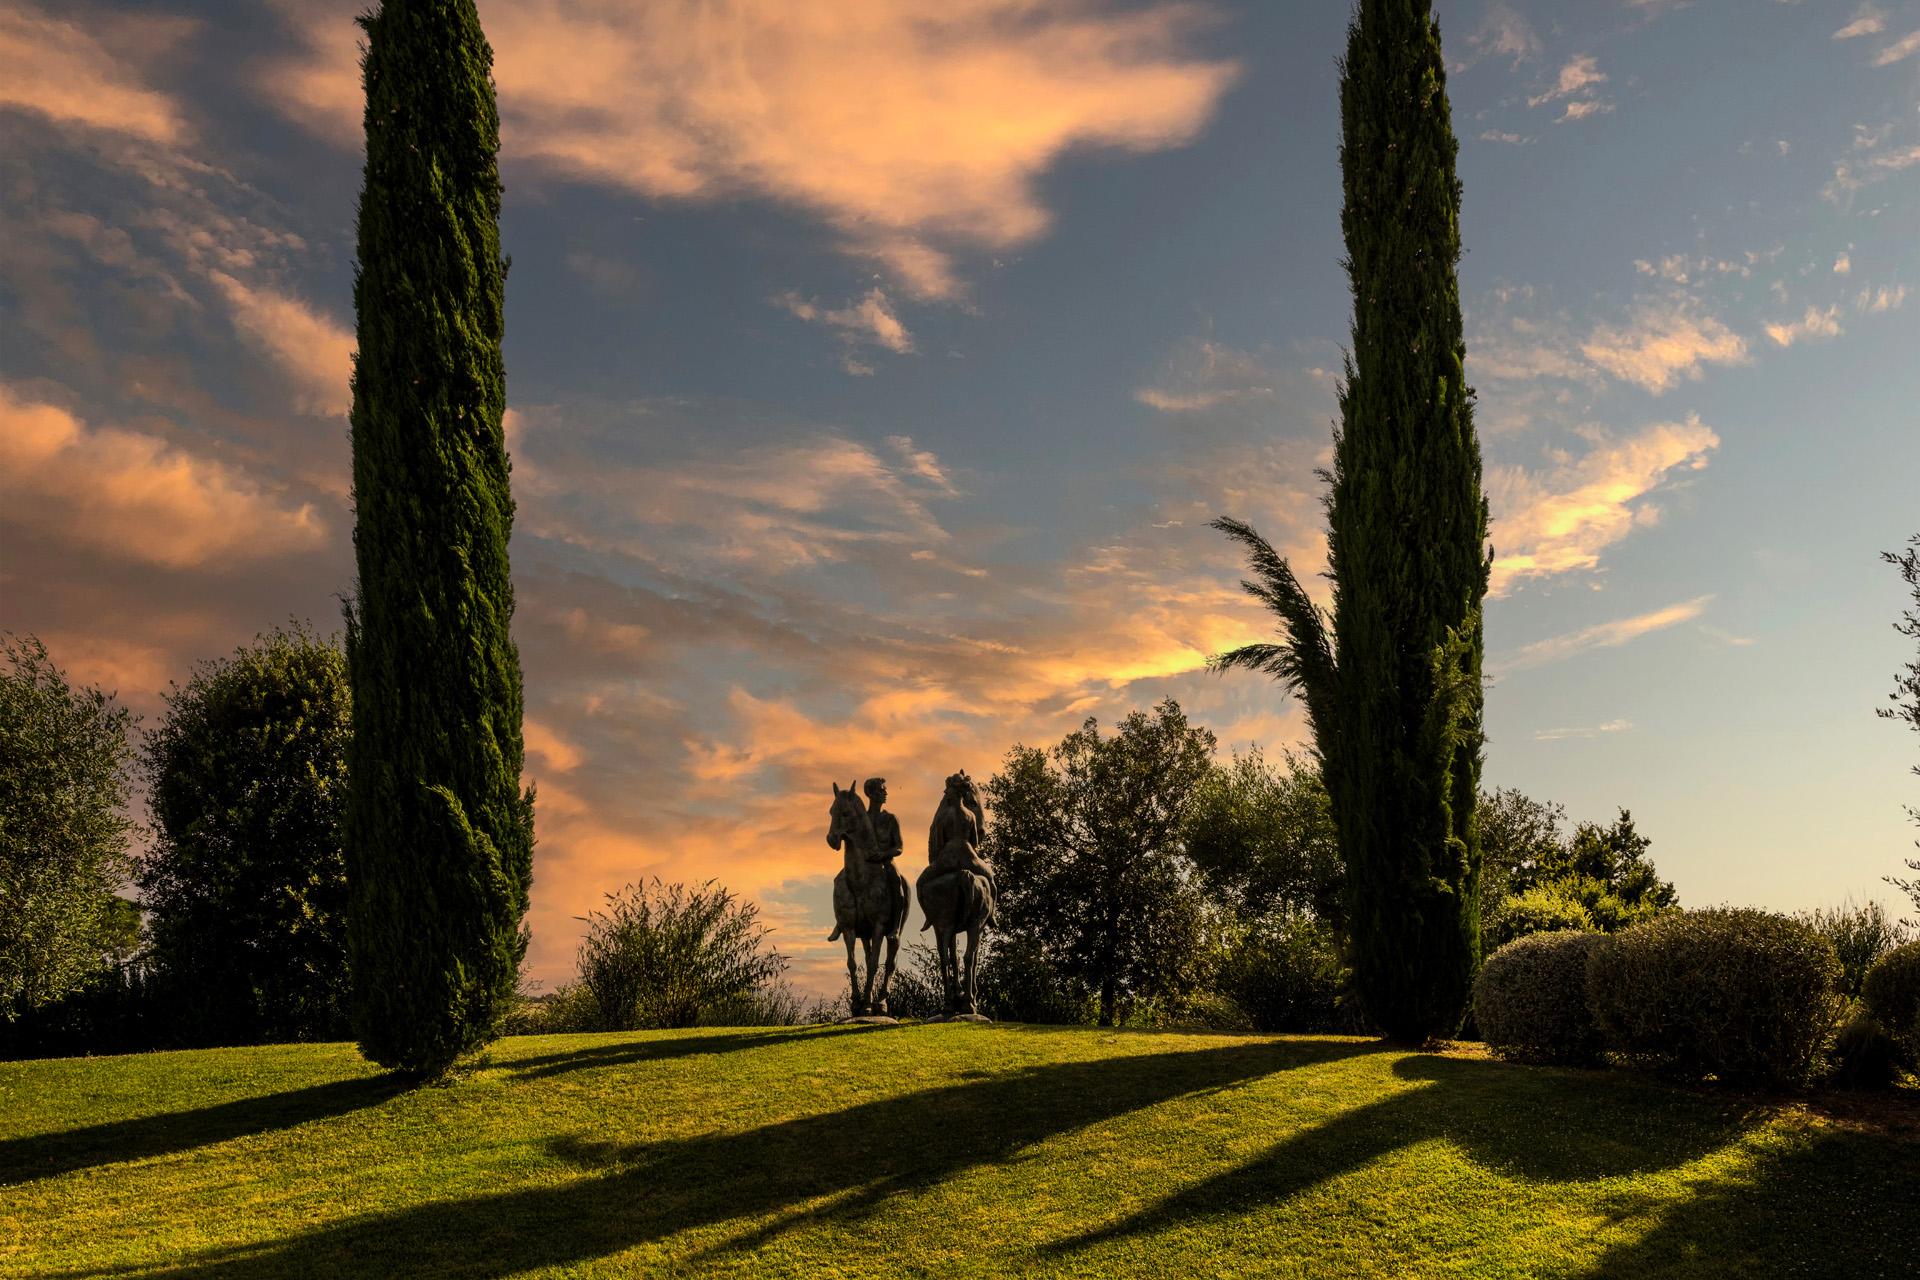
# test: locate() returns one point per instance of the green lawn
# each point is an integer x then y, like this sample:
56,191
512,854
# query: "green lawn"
956,1149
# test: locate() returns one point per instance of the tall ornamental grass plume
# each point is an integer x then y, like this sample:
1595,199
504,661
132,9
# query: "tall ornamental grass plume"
1392,680
666,955
439,830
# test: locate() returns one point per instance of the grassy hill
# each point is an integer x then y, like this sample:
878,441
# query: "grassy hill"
928,1149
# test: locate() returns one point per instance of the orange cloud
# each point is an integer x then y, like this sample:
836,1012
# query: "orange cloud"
913,128
1664,343
1605,635
1561,520
137,497
52,67
314,351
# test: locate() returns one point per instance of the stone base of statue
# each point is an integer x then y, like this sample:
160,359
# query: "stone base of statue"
869,1020
959,1017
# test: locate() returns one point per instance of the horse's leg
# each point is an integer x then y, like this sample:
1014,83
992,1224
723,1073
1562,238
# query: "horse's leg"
886,974
873,965
949,972
972,986
853,979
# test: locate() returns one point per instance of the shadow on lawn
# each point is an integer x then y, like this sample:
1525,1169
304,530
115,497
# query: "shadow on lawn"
866,1154
1830,1205
48,1154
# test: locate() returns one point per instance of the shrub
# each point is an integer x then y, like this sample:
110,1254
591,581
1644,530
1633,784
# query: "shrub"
1541,909
1018,983
1864,1055
1744,995
1530,999
1287,976
1891,992
1860,934
663,955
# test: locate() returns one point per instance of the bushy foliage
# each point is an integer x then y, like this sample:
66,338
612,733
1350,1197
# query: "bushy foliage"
1864,1055
1263,838
916,990
665,955
63,830
245,876
1096,888
1392,680
1891,993
439,830
1860,934
1546,908
1530,999
1020,983
1742,994
1517,834
1286,973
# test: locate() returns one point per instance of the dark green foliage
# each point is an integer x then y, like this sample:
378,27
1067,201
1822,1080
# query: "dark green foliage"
1530,999
1287,975
1517,833
1744,995
1906,687
664,955
1019,982
245,877
440,833
63,830
1865,1056
1087,840
1615,856
1891,992
1600,879
1861,934
1394,693
1264,841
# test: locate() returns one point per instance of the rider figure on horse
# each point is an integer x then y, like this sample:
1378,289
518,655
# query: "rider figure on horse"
886,827
953,841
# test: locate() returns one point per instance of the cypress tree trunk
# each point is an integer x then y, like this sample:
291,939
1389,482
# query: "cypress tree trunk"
1407,540
439,832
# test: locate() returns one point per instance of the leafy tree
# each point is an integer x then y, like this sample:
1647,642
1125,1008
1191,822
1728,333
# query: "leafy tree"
63,829
663,955
1614,856
1264,841
1088,841
1392,681
1906,686
245,876
1517,835
439,831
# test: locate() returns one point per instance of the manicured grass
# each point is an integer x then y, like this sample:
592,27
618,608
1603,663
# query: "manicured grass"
957,1150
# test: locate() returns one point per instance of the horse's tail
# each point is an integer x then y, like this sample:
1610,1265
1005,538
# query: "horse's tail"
835,935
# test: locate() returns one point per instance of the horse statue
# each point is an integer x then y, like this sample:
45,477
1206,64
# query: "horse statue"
957,891
869,895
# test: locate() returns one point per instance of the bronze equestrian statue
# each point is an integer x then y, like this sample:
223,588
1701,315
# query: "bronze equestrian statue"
957,890
869,895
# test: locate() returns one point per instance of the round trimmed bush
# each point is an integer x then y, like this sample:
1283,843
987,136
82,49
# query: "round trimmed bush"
1530,999
1891,992
1744,995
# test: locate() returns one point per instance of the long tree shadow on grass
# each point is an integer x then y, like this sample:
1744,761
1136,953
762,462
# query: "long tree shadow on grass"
50,1154
1526,1123
864,1154
45,1155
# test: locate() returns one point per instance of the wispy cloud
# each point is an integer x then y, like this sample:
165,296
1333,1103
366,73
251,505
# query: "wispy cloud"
1664,342
1815,323
1504,33
134,496
1561,519
1889,297
314,351
1579,77
1604,635
1899,51
1868,20
1204,374
1582,731
916,129
51,66
869,320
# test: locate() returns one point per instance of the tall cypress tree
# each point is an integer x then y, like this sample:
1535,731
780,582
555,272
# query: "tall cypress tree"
440,833
1392,682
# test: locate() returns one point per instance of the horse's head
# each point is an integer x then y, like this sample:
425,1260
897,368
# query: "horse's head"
847,816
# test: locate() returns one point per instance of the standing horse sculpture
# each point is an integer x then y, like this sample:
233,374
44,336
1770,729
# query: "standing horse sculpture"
957,892
869,894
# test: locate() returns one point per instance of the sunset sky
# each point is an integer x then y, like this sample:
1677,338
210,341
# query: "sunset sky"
875,367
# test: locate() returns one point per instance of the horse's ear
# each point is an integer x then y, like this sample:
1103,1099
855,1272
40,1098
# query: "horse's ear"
835,786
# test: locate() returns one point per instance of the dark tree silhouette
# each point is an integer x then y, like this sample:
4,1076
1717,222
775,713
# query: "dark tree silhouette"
1392,681
1906,685
440,833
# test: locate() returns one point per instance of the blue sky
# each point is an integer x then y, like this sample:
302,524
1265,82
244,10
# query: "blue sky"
874,370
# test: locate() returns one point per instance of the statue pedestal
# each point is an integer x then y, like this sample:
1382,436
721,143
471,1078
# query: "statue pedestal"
869,1020
960,1017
